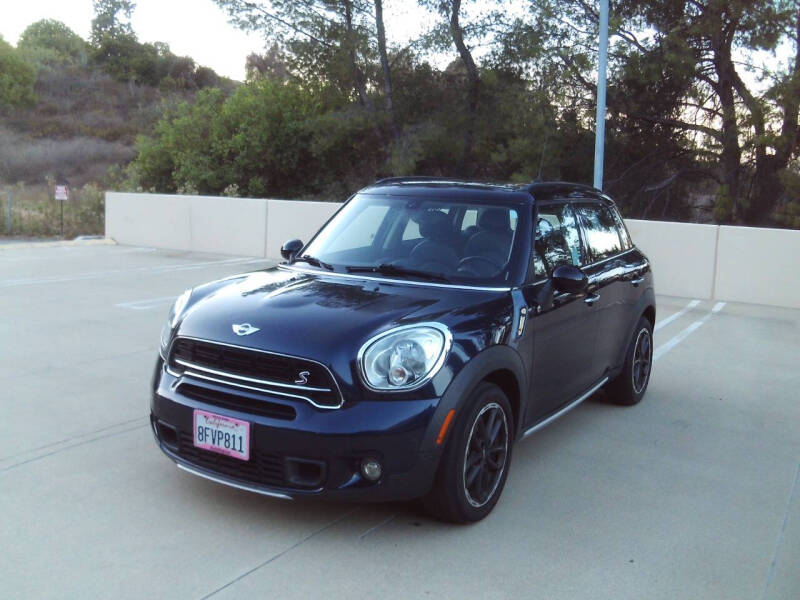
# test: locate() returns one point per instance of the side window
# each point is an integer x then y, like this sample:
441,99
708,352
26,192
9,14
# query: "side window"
627,243
600,227
557,240
470,219
411,232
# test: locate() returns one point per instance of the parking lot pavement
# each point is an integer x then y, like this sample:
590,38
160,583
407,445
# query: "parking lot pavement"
691,494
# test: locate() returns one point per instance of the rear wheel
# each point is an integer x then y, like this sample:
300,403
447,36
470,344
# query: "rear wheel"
630,385
475,462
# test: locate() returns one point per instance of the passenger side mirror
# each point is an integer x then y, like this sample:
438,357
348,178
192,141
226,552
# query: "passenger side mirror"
290,248
570,279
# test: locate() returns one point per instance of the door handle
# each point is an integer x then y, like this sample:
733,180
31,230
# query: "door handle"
635,282
590,300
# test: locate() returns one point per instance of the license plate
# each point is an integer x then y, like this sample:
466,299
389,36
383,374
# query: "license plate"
224,435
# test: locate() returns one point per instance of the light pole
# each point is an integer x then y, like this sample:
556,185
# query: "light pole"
600,127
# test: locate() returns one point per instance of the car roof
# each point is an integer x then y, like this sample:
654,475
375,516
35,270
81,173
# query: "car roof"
520,192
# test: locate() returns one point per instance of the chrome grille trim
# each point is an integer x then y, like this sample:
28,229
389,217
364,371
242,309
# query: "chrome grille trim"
193,366
243,386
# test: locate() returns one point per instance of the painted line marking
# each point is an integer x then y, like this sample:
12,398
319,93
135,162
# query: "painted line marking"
677,315
67,251
386,521
282,552
100,274
776,554
146,304
670,344
82,443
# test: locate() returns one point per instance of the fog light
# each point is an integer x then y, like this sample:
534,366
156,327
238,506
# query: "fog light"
371,469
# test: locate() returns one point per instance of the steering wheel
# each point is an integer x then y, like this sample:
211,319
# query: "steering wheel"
464,262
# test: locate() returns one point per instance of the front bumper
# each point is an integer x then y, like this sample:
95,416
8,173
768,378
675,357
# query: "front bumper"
315,453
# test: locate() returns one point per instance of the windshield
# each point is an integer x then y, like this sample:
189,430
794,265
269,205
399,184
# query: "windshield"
419,238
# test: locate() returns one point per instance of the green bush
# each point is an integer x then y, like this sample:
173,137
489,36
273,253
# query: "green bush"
259,139
16,77
50,43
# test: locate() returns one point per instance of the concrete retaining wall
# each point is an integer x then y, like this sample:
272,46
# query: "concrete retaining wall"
683,255
760,266
738,264
239,226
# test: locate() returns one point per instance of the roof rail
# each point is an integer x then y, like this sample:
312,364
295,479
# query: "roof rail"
566,186
410,178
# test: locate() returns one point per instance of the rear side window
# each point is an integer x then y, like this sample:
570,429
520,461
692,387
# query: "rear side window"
601,231
627,243
470,219
557,240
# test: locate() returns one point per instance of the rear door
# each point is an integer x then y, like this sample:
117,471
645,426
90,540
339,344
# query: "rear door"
610,265
563,325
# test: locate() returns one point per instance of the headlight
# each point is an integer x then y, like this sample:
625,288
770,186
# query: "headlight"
404,358
172,320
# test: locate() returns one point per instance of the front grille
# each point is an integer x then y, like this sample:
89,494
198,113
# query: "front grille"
263,467
255,370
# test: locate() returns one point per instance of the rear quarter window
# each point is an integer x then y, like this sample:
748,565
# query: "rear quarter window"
601,231
627,242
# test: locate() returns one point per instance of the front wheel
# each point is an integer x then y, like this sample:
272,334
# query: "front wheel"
630,385
475,462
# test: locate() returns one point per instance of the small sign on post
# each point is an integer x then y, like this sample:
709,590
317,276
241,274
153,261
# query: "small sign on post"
61,196
62,193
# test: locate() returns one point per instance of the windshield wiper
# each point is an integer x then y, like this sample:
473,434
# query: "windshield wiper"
313,260
387,269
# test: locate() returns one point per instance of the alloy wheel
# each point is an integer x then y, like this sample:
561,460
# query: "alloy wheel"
486,454
642,361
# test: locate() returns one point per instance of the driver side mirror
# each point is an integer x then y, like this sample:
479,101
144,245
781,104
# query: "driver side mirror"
569,279
291,248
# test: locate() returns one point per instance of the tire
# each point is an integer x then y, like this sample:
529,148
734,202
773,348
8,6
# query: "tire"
471,476
629,387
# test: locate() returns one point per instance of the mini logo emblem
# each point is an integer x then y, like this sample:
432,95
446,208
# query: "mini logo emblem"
244,329
302,377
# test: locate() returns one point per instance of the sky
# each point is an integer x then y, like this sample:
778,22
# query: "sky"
205,35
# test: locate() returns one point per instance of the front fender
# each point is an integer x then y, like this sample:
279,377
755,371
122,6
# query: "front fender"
494,358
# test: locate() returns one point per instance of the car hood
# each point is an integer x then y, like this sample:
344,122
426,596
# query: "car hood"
326,317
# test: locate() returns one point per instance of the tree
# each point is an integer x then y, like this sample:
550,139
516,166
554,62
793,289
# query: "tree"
112,19
327,41
51,43
271,64
751,130
380,30
16,77
451,10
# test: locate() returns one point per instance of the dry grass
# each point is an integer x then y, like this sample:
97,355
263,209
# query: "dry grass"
26,159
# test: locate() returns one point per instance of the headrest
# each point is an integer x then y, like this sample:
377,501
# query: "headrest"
544,228
494,219
434,225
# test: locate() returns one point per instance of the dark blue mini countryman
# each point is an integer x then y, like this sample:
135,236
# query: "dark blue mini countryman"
428,327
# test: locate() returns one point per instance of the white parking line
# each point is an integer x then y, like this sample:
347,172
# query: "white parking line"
101,274
146,304
670,344
677,315
69,252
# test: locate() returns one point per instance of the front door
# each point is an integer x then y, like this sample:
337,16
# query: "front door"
564,326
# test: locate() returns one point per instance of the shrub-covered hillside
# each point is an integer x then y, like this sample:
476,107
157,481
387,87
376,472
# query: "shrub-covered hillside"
72,108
